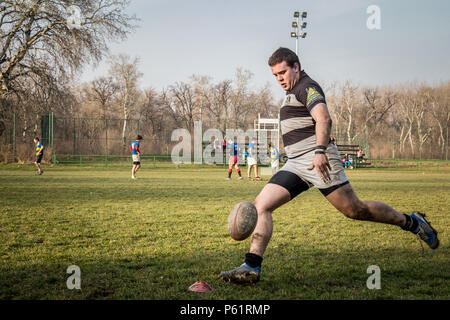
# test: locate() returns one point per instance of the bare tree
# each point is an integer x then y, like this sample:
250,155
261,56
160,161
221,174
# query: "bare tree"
102,91
407,104
183,97
240,98
39,41
348,103
439,106
125,72
220,104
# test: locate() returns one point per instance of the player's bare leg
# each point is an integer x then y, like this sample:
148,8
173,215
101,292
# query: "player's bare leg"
346,201
256,171
249,172
38,166
236,166
134,170
230,168
271,197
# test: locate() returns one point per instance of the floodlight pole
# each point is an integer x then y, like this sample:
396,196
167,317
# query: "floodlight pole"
296,38
296,24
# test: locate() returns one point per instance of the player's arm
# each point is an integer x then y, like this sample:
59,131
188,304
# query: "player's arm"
323,121
138,151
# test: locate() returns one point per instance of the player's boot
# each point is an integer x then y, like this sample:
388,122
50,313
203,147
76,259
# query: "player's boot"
425,231
133,177
227,178
240,178
242,274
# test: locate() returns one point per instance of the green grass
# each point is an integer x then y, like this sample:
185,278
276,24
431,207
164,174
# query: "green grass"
153,237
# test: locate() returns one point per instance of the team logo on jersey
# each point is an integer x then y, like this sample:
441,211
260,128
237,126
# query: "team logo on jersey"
313,95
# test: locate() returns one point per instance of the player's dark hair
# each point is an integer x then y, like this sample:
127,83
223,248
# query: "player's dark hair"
36,138
284,54
138,137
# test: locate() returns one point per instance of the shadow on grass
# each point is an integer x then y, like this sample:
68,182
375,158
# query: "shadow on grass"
287,274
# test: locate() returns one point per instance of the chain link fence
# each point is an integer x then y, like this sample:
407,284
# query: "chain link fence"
83,140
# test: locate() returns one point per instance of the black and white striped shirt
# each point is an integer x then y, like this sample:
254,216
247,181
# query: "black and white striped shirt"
298,128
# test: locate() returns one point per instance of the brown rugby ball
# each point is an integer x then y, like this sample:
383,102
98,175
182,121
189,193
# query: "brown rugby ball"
242,220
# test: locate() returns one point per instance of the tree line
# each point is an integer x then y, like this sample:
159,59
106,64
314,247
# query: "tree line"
42,54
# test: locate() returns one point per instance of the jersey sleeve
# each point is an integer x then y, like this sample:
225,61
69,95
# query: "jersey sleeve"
311,95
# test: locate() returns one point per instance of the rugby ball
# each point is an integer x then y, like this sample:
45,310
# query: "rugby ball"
242,220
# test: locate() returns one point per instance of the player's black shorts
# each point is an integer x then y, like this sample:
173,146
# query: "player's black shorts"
136,162
39,158
295,185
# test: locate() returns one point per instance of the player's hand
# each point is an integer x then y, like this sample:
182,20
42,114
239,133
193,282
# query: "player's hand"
322,166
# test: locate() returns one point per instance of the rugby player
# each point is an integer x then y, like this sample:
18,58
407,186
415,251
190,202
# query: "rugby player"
136,155
233,161
39,153
274,158
252,160
312,161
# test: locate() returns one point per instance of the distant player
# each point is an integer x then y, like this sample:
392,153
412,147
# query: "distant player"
136,154
274,158
233,161
39,153
313,161
252,159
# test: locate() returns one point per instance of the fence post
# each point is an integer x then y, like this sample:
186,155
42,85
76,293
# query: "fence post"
74,136
106,142
14,137
367,140
446,146
51,133
154,161
393,142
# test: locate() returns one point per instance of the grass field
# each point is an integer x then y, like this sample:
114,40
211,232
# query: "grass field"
153,237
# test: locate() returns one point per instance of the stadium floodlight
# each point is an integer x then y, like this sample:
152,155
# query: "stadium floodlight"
296,24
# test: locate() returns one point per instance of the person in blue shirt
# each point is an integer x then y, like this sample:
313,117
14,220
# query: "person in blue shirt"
233,161
136,155
39,153
252,160
274,158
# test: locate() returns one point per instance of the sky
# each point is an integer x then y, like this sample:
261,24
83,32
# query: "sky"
178,38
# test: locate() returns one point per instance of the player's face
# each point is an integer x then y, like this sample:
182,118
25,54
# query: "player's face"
286,76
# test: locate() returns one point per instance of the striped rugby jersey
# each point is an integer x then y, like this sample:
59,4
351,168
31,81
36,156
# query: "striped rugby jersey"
39,149
298,128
